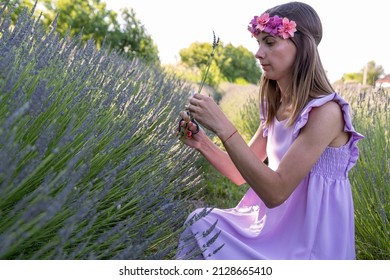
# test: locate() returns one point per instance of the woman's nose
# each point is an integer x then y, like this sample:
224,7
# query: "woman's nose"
260,53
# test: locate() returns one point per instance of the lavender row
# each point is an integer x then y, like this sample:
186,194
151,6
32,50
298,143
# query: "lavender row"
89,168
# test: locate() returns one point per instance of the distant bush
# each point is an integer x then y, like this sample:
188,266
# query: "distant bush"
89,168
240,104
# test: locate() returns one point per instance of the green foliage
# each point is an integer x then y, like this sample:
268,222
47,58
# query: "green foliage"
249,119
132,39
89,167
230,63
240,104
17,7
353,77
197,54
373,72
238,63
95,22
218,191
196,57
183,72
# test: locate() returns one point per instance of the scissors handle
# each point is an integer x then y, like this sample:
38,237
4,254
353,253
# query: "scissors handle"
193,121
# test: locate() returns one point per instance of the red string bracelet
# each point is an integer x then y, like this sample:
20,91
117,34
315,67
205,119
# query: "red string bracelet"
223,142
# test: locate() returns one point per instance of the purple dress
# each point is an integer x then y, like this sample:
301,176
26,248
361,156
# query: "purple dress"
315,222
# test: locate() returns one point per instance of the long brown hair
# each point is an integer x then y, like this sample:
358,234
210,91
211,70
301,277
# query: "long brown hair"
309,78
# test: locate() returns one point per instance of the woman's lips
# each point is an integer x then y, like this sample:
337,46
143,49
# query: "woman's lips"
264,66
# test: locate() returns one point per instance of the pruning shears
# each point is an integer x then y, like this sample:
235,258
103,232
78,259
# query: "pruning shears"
186,129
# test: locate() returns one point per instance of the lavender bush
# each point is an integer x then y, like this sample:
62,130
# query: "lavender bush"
89,168
371,177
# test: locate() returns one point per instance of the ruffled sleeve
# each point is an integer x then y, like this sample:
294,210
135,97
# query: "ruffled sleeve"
348,127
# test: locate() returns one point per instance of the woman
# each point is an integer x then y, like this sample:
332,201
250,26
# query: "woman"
300,205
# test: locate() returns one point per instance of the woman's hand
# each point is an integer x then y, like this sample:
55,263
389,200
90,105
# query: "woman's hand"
206,112
190,133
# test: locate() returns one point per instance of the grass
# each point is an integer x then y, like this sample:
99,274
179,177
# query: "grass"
218,191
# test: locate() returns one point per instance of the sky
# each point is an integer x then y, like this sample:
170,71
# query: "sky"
354,32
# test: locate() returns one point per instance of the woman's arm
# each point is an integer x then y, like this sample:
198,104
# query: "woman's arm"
220,159
224,164
324,128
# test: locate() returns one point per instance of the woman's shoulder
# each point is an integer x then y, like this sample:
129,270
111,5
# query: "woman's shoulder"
328,119
329,113
329,107
331,102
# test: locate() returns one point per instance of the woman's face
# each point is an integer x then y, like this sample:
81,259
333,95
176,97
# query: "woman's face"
276,56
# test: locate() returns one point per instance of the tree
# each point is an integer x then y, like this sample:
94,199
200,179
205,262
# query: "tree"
93,20
353,77
371,72
239,63
197,56
132,38
17,7
231,63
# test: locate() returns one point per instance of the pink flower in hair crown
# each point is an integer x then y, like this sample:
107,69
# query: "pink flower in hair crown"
275,25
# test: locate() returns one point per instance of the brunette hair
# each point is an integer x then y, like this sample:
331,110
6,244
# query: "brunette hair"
309,78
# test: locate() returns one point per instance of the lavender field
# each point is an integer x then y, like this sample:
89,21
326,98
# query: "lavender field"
89,166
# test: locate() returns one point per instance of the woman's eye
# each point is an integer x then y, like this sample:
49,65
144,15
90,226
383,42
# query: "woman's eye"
268,42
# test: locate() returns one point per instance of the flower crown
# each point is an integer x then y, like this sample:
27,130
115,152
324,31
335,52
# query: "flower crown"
273,25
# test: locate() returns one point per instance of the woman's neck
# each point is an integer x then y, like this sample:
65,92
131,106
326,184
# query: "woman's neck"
285,90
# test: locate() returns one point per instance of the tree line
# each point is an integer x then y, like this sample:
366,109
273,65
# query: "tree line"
124,32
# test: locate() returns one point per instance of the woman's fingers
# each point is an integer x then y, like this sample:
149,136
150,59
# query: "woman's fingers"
194,109
184,115
193,127
197,99
188,127
183,124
